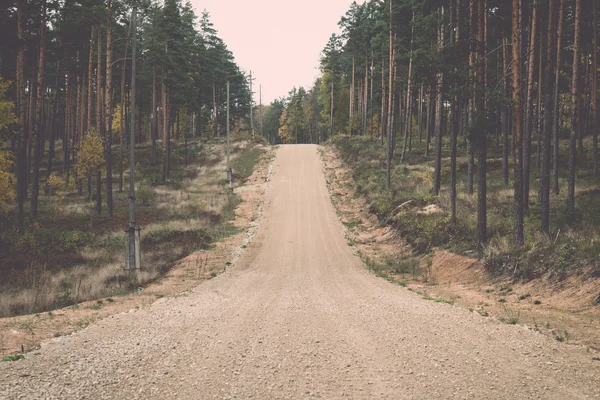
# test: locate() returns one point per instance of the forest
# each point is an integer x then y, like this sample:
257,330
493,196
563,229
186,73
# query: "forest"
485,108
68,114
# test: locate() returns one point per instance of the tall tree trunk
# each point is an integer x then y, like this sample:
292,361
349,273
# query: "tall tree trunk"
99,120
482,133
154,116
108,113
51,141
383,118
505,113
215,115
430,116
21,109
390,109
518,237
437,174
455,118
420,113
331,128
90,90
408,91
165,129
471,101
352,98
576,100
540,99
372,106
39,118
67,124
529,118
548,122
556,114
594,88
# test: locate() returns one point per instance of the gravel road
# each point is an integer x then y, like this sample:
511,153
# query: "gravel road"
299,317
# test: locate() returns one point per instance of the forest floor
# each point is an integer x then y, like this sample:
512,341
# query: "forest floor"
564,309
207,199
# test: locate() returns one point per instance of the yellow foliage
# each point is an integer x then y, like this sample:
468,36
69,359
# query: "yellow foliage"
7,182
90,155
7,108
116,121
284,130
54,183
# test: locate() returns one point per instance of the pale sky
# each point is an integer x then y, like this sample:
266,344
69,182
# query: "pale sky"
279,41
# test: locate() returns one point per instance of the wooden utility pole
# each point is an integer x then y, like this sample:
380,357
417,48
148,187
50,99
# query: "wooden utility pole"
228,161
133,237
251,108
260,112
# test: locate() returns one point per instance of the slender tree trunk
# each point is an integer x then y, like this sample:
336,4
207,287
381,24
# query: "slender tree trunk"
518,236
99,120
505,113
539,116
455,120
594,88
390,109
31,129
352,98
108,113
51,141
408,91
372,106
430,115
90,90
420,113
556,114
165,129
471,101
39,118
21,108
331,128
482,134
576,100
154,116
383,118
437,174
67,124
529,118
215,115
548,122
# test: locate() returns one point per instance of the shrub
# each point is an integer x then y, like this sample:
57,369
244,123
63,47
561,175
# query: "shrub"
145,195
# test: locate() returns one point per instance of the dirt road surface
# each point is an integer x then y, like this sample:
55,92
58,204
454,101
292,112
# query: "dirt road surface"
299,317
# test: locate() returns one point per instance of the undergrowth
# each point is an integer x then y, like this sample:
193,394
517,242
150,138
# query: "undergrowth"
565,252
70,255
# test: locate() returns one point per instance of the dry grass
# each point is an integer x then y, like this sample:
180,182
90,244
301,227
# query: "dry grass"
187,214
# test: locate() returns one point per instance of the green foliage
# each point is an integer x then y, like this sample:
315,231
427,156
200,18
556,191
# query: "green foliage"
16,357
145,195
43,242
243,165
7,182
